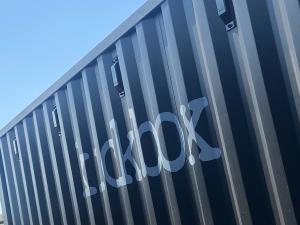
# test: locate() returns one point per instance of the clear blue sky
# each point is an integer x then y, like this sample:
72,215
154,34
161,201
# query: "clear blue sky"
41,40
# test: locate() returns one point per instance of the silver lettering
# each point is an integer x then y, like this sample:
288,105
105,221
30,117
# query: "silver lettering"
145,127
88,191
207,152
177,164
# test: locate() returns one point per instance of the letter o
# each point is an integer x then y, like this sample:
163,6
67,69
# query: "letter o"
177,164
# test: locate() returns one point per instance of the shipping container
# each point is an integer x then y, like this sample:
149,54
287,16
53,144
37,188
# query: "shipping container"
188,113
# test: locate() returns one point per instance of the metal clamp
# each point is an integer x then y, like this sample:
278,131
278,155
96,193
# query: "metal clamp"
117,77
56,120
226,13
15,147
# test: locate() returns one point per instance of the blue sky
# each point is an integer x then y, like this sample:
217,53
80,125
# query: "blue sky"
41,40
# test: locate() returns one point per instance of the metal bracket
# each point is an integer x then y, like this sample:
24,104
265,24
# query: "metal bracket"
15,147
117,77
226,13
56,120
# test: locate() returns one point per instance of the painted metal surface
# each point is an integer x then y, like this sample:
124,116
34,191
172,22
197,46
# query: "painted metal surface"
188,113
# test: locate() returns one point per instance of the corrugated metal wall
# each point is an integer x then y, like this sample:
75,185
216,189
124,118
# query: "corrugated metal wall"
188,114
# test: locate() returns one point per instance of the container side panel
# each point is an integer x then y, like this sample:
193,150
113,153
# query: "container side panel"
46,166
183,70
35,170
278,90
98,136
5,199
246,145
13,156
126,141
115,125
64,196
27,176
9,181
84,150
109,166
130,78
71,159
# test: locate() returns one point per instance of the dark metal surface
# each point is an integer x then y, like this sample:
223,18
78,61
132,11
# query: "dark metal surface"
188,113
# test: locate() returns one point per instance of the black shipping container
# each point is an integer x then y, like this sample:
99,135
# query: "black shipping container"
188,113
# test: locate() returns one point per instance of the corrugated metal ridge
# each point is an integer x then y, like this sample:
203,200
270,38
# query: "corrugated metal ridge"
130,22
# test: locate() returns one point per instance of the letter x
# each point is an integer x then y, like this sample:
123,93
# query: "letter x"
207,152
